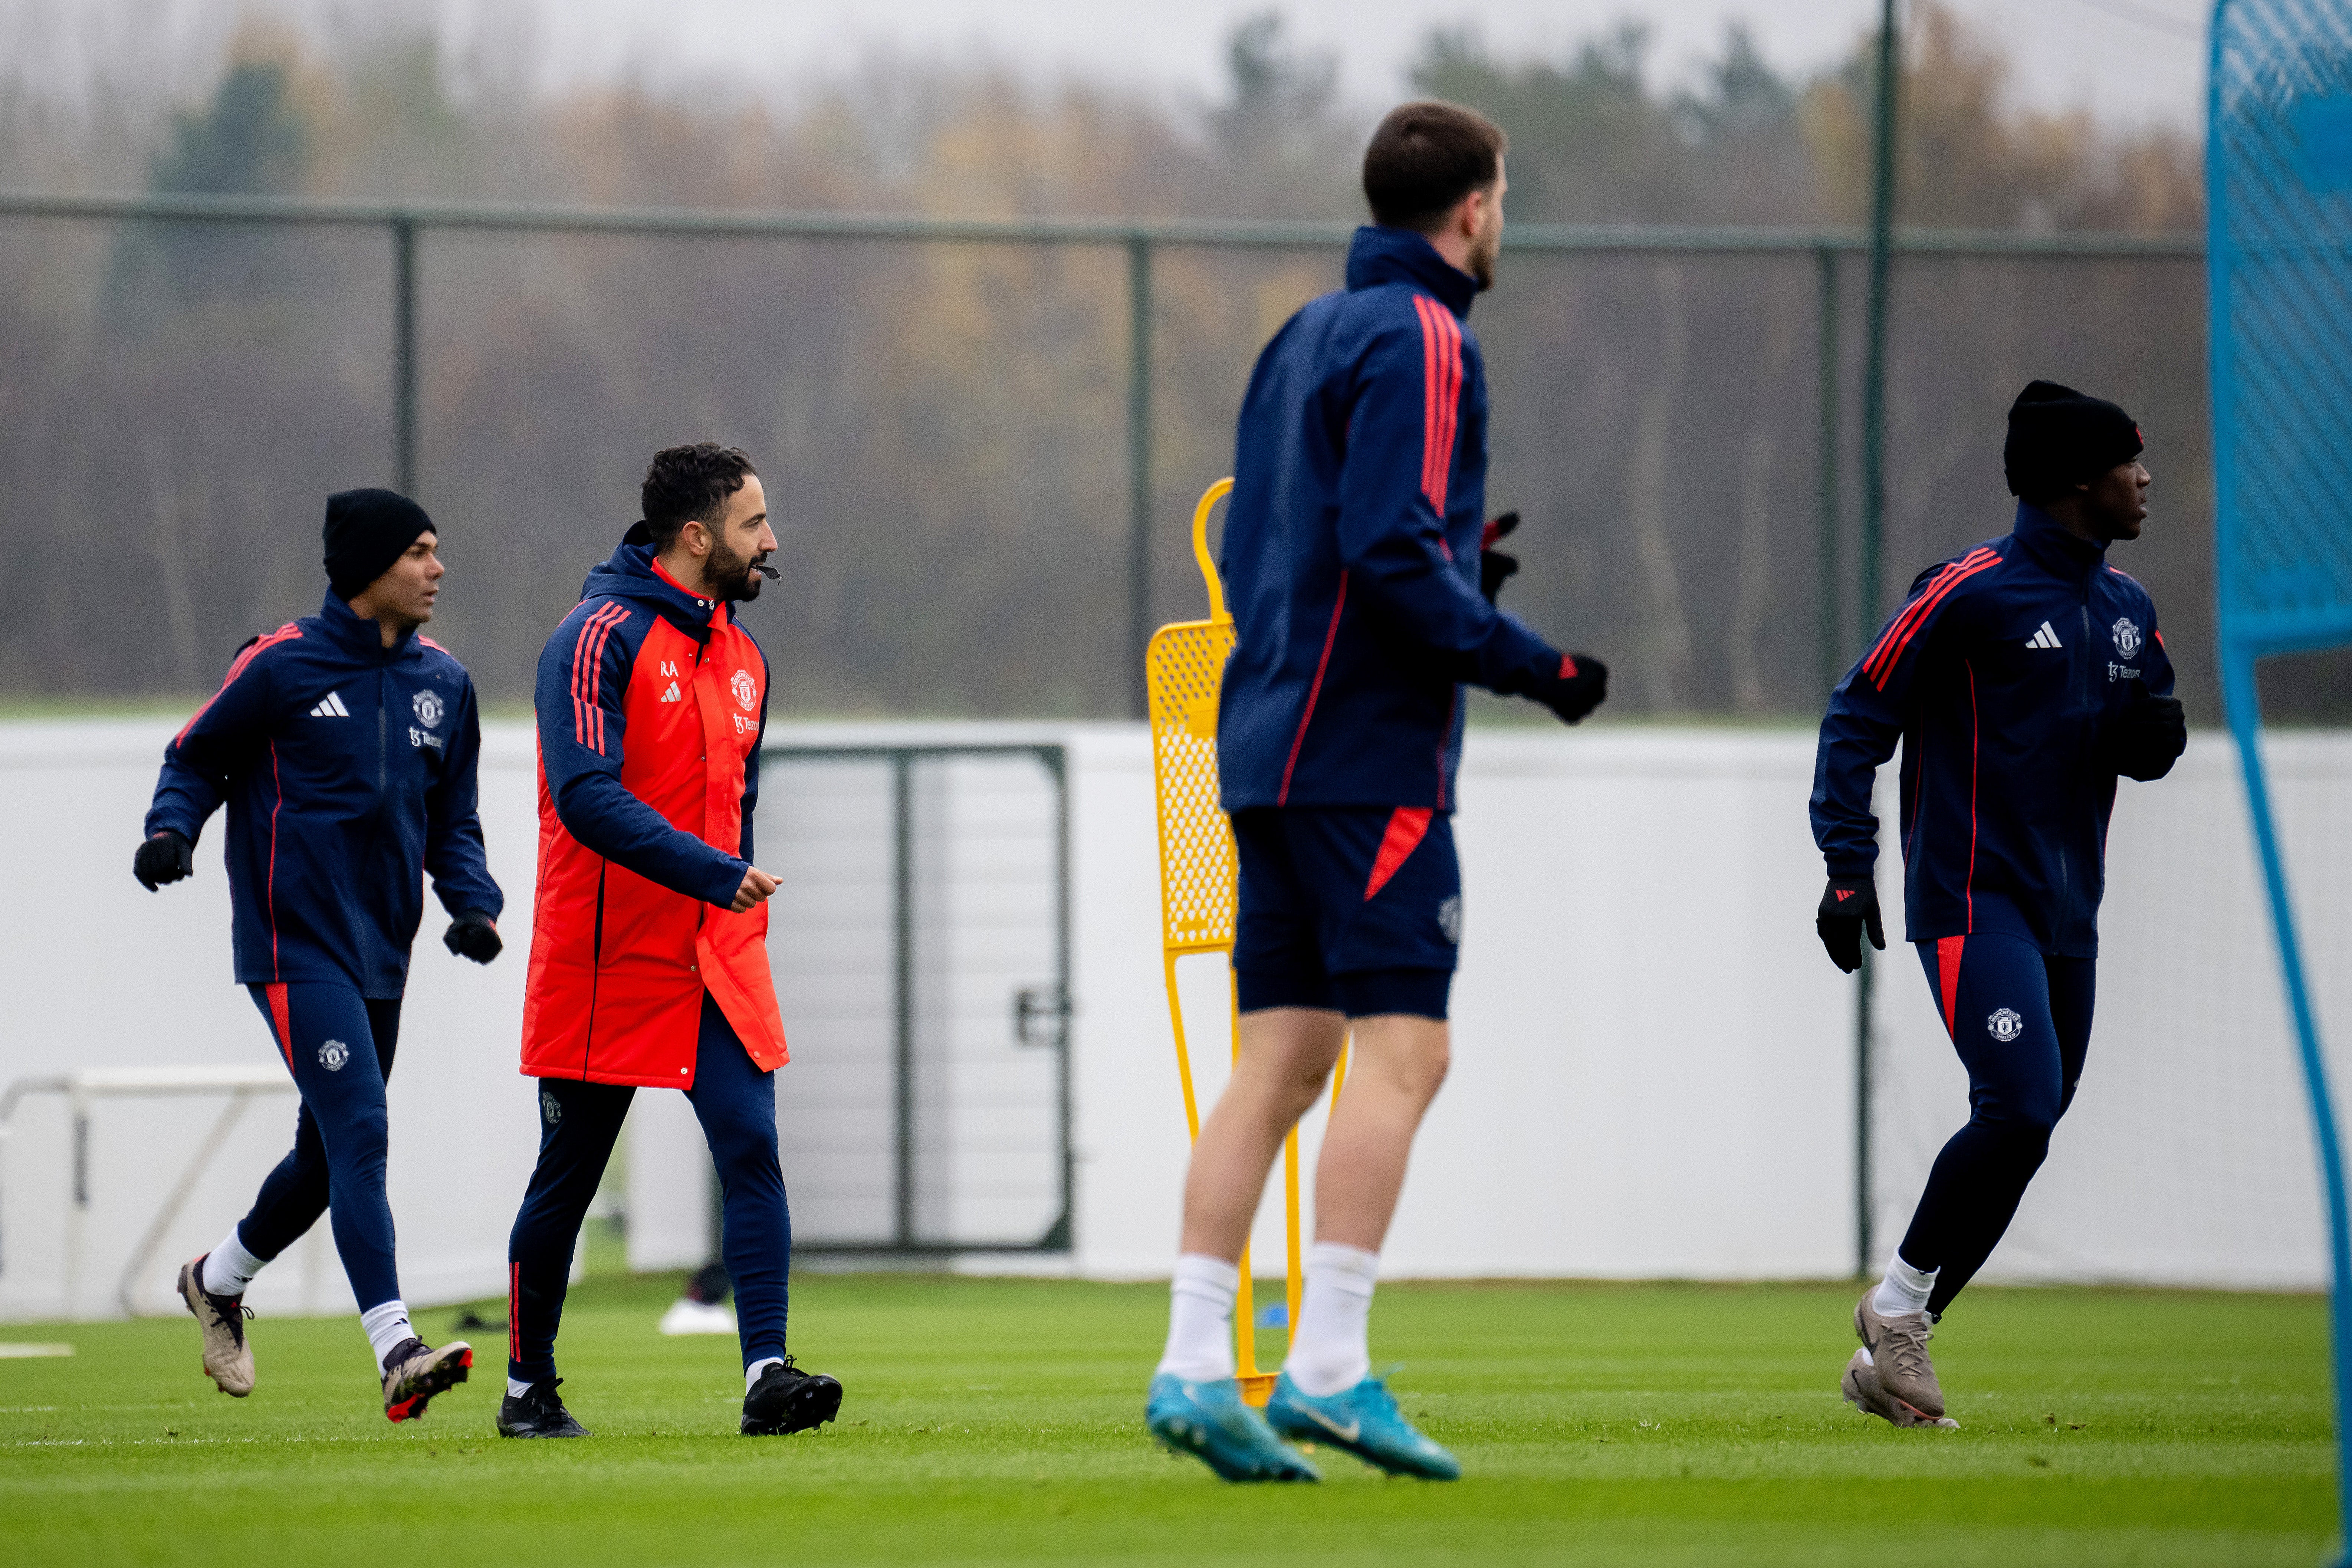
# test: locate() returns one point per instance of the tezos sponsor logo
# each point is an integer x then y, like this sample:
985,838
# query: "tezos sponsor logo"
2004,1026
1449,919
747,690
333,1054
428,708
2127,637
548,1110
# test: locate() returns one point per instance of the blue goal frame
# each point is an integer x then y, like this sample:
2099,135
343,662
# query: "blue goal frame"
2279,210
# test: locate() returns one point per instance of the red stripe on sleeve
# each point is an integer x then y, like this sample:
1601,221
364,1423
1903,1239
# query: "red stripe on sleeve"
596,673
1430,375
587,674
1449,332
1927,603
286,633
579,652
1915,611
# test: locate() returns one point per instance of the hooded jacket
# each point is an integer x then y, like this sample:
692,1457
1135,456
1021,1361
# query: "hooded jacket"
651,704
1351,546
2000,676
348,769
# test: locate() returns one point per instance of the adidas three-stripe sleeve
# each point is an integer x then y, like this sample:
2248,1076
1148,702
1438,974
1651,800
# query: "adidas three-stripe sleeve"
582,701
1867,715
1402,434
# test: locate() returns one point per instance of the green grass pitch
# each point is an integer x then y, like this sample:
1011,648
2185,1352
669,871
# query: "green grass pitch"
1001,1421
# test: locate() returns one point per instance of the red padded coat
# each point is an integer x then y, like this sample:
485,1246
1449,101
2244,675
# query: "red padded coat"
651,705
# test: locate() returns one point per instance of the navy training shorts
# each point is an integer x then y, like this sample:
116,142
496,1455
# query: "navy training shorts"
1354,910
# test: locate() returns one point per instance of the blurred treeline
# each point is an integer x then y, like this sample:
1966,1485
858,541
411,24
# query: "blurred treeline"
942,427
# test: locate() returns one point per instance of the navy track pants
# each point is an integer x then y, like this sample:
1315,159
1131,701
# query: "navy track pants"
736,1103
339,1045
2022,1022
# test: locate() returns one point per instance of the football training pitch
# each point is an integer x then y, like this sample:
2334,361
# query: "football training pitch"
1000,1421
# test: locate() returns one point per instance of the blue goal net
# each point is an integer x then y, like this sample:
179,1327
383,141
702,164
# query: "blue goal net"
2279,188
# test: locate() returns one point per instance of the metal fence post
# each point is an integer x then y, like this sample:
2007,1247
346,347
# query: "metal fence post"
404,356
902,987
1874,532
1139,469
1832,607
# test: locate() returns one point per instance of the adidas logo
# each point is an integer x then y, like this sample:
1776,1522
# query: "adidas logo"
332,708
672,694
2045,637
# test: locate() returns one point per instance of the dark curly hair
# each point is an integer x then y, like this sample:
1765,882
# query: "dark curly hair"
691,484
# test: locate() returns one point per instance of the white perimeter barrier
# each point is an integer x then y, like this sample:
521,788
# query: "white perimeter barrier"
1652,1075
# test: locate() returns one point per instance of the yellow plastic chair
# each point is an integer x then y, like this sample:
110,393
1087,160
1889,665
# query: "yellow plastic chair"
1184,665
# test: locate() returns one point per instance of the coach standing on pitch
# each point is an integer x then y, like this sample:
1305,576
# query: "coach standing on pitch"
2023,678
1352,563
345,745
649,941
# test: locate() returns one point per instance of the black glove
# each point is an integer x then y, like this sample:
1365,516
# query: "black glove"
1494,568
1849,904
1582,685
2147,736
472,936
166,858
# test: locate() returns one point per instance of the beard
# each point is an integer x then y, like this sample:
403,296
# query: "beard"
731,575
1483,255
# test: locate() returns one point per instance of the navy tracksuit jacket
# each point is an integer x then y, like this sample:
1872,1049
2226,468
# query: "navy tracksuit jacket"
2000,676
1351,546
348,769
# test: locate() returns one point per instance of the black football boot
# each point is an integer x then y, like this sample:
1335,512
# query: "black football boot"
537,1412
787,1399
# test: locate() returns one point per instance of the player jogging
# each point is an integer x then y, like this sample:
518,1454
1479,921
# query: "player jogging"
649,950
1352,563
2022,677
344,746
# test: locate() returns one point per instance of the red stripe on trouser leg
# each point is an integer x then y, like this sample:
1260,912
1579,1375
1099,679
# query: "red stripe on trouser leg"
1947,978
1407,826
279,1018
514,1312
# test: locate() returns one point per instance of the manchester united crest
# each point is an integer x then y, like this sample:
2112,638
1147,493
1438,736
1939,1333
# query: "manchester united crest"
747,690
2004,1026
2127,637
428,708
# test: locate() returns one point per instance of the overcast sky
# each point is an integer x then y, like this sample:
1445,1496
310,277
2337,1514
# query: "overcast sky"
2128,60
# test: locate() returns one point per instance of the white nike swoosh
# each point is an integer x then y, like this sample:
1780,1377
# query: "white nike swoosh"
1347,1434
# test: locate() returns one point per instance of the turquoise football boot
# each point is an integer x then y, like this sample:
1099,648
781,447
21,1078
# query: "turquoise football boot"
1365,1421
1209,1419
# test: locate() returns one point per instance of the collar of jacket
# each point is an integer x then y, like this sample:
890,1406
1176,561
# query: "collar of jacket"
1378,255
361,638
628,574
2049,542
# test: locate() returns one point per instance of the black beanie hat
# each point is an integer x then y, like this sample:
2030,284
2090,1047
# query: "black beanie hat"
2059,437
366,532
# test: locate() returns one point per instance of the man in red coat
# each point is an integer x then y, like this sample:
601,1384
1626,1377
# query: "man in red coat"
648,953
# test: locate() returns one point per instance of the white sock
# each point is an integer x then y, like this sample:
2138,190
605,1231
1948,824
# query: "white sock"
229,1267
517,1388
1201,1319
1331,1352
752,1373
1905,1290
386,1326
